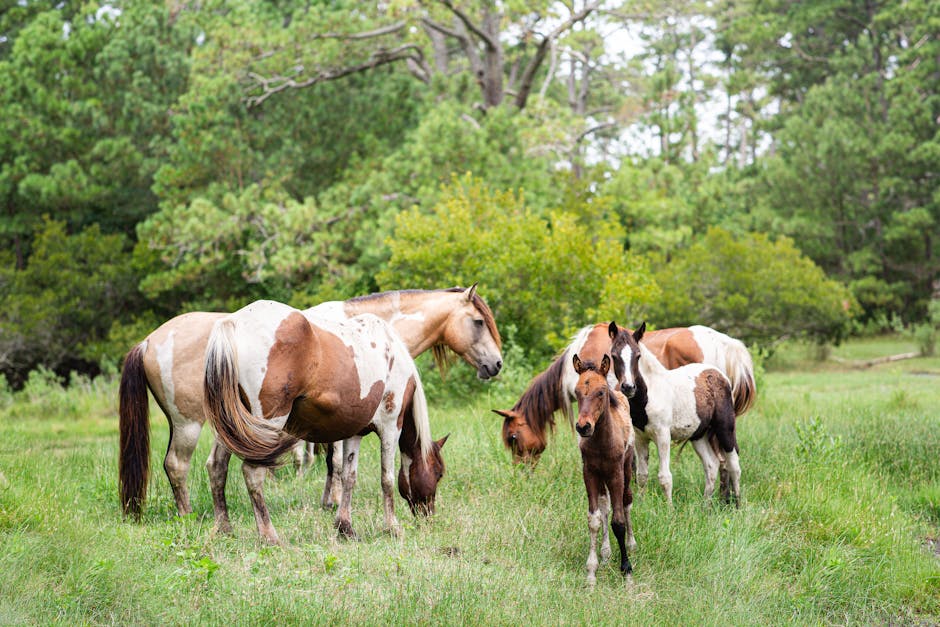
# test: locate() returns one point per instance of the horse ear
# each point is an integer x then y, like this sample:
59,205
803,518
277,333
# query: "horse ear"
440,443
578,366
613,329
471,291
640,331
505,413
605,364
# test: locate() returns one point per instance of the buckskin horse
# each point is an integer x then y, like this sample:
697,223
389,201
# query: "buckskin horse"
606,444
691,403
170,363
527,425
273,375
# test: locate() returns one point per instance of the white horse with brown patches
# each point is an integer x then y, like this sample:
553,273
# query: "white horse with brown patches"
274,375
691,403
526,426
170,363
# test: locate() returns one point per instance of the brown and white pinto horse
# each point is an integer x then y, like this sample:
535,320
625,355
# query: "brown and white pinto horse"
170,362
527,425
273,375
690,403
606,443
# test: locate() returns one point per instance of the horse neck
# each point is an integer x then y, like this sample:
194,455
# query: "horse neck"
418,316
650,367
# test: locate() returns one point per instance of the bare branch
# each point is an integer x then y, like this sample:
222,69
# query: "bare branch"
473,28
275,84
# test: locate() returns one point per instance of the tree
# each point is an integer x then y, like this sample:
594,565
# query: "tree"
544,273
63,301
752,288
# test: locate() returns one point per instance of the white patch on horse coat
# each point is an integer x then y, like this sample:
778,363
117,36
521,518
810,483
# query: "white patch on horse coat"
164,353
331,310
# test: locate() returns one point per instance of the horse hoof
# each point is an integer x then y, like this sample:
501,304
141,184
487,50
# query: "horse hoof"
224,528
345,530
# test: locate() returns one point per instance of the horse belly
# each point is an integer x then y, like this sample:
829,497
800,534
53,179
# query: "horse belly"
329,417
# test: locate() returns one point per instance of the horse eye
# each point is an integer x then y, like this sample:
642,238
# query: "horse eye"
479,323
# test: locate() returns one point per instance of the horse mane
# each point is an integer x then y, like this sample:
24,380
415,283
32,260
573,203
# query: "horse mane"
544,396
443,358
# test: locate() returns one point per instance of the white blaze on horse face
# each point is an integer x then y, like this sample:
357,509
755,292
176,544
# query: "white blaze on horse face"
626,354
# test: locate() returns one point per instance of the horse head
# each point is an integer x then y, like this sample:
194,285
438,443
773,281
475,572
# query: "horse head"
592,393
522,440
625,349
418,484
470,330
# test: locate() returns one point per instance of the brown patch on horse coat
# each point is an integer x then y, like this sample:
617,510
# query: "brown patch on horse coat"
707,386
328,406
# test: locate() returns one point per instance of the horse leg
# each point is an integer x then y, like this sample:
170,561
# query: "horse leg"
254,478
710,464
389,439
642,460
300,457
603,501
326,500
663,442
343,521
336,485
619,522
595,521
628,496
734,472
217,467
184,436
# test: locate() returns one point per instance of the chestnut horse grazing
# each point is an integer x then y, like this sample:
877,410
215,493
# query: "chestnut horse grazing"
691,403
170,362
606,443
273,375
526,426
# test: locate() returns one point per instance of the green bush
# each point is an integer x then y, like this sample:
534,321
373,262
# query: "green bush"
755,289
547,274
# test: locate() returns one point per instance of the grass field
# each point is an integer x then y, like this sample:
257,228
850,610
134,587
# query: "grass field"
840,522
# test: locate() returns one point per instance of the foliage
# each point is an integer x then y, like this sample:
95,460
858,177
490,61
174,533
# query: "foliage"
752,288
546,273
63,300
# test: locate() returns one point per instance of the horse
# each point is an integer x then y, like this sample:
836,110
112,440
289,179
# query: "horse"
273,375
169,362
527,425
606,442
690,403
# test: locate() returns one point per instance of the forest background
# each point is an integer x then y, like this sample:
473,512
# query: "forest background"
768,168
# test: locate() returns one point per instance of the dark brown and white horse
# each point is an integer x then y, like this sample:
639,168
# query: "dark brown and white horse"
606,444
274,375
691,403
170,363
527,425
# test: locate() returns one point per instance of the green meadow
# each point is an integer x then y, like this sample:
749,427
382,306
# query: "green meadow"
840,521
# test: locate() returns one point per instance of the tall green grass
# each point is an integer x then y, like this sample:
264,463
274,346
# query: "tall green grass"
841,512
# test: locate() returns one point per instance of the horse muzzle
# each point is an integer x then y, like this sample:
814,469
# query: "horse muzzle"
627,390
488,371
585,430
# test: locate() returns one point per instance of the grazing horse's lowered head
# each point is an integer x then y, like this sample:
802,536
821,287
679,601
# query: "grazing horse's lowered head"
418,479
525,443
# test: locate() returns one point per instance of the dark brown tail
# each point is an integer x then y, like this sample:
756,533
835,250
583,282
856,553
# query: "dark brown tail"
246,435
134,412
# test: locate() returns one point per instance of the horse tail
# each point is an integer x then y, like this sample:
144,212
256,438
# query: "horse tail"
134,423
246,435
740,370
